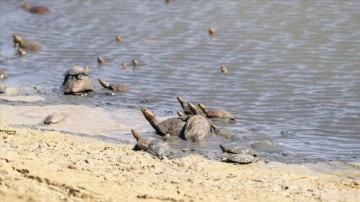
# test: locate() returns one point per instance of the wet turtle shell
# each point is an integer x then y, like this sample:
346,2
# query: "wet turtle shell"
238,158
155,147
113,87
236,149
77,70
221,131
36,9
76,86
197,126
55,118
216,113
172,126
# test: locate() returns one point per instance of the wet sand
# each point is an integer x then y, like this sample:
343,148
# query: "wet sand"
38,165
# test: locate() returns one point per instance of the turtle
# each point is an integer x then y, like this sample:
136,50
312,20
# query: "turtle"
220,131
185,107
76,81
113,87
26,45
135,62
155,147
36,9
197,127
238,158
119,38
217,113
237,154
212,30
55,118
172,126
3,74
224,69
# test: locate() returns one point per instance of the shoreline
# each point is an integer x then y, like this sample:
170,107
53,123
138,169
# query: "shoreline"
44,163
40,165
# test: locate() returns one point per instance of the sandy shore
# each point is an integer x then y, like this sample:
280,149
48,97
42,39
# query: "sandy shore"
38,165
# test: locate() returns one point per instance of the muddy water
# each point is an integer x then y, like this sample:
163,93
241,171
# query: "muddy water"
294,67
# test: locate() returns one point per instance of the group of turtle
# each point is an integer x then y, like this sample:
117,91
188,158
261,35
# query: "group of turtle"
193,124
77,82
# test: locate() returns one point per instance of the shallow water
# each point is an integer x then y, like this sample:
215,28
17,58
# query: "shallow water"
294,66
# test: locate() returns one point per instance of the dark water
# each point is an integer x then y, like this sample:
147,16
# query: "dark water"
294,65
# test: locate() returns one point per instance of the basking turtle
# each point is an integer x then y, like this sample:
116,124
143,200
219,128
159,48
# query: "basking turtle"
221,131
217,113
238,158
172,126
76,81
55,118
238,154
197,126
36,9
155,147
185,107
114,87
26,45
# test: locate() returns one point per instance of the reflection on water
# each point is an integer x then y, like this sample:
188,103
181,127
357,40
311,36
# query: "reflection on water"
293,66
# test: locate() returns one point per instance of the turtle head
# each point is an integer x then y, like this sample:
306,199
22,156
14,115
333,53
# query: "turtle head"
181,101
101,60
223,148
180,113
18,41
193,108
136,135
103,83
149,115
21,52
26,6
202,107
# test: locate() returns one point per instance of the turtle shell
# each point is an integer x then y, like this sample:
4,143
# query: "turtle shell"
75,86
239,158
236,149
172,126
55,118
158,148
197,128
118,87
75,70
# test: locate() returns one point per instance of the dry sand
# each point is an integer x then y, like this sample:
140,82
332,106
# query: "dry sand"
37,165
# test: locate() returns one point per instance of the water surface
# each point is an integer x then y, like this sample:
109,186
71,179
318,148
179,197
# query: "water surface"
294,65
